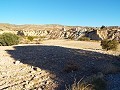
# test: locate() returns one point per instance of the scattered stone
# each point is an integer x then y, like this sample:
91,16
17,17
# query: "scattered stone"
31,83
34,68
29,71
17,62
43,86
24,85
39,88
48,82
27,82
38,69
27,86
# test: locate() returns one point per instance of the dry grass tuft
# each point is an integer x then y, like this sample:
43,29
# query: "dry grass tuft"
80,86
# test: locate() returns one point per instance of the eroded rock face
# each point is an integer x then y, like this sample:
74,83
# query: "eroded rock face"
114,35
94,35
59,31
104,34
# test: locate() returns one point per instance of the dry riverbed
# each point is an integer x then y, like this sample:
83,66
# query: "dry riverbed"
42,67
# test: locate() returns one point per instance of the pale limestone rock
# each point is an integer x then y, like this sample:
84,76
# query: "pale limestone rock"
17,62
39,88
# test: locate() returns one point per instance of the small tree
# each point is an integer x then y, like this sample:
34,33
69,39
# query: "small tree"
109,44
102,27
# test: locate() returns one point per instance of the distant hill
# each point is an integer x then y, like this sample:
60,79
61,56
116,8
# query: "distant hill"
62,31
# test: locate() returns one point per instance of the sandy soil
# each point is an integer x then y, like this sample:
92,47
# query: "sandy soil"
85,45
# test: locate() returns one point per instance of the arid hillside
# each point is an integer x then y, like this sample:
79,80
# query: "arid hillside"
55,31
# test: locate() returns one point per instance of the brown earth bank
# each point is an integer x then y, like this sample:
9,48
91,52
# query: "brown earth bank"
53,64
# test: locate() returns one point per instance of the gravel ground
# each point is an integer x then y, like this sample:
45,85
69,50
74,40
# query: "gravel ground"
58,63
113,81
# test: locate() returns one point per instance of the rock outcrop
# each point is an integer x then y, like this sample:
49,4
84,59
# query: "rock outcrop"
104,34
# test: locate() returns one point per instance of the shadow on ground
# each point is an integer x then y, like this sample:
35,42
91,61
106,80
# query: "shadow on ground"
55,59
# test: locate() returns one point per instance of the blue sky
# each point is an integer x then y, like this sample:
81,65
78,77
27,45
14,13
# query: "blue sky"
65,12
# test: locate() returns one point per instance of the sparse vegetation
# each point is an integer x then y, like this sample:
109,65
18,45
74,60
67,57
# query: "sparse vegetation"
80,86
102,27
84,39
30,38
109,44
94,82
8,39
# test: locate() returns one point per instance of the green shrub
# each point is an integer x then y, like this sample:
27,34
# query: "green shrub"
84,39
7,39
2,42
109,44
102,27
30,38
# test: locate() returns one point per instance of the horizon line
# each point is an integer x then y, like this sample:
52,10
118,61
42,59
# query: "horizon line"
60,24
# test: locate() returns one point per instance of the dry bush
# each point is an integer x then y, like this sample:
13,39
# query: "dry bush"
30,38
109,44
80,86
84,39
